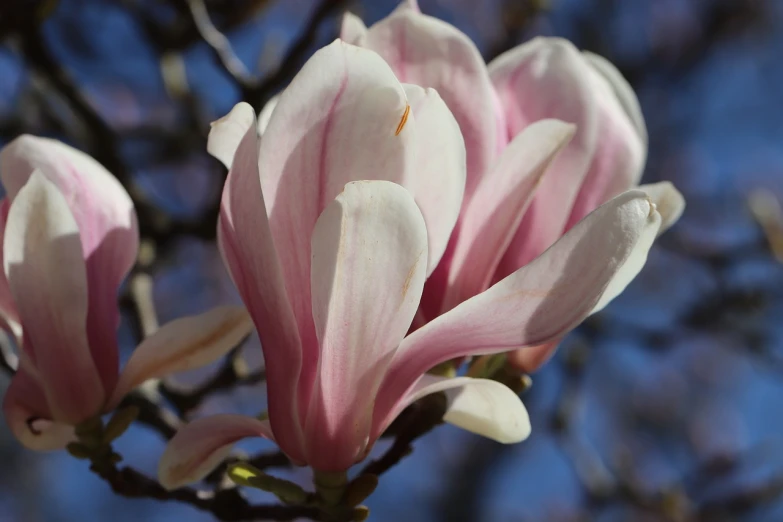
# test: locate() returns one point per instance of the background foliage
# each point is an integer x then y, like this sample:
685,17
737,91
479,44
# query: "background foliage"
665,407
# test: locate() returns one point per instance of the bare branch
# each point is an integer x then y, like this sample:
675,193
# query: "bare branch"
219,44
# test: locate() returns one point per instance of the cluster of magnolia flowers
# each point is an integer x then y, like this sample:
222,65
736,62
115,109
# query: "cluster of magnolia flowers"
398,206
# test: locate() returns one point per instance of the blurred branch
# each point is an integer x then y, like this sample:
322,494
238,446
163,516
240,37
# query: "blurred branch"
233,373
295,57
227,505
152,414
742,501
183,31
417,420
219,44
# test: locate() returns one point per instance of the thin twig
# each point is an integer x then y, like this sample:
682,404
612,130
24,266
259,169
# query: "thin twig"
227,505
295,56
220,44
419,419
231,375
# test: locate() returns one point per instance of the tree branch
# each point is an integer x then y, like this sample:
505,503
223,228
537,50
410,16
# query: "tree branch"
227,505
293,60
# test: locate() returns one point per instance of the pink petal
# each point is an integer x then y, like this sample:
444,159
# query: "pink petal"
538,303
487,408
493,215
369,252
46,272
669,204
266,114
425,51
621,152
341,119
184,344
547,78
8,314
27,415
622,89
438,181
200,446
107,226
352,29
249,252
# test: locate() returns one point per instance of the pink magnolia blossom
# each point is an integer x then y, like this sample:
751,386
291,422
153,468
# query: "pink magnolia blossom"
69,237
332,269
525,186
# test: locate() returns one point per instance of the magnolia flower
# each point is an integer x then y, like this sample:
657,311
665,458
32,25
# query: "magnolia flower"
526,184
69,237
332,273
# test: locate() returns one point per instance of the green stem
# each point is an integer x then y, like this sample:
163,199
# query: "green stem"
330,486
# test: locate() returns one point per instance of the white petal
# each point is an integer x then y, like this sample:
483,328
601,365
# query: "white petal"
47,275
438,180
668,201
487,408
227,132
538,303
369,252
266,114
352,29
184,344
198,447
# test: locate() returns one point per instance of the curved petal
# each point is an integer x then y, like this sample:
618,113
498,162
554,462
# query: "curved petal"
438,181
538,303
670,204
619,157
425,51
266,114
668,201
198,447
8,313
106,221
29,418
481,406
184,344
226,134
673,203
547,78
342,118
622,89
500,201
249,252
352,29
46,273
369,263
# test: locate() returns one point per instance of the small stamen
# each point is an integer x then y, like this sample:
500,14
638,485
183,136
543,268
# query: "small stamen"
403,120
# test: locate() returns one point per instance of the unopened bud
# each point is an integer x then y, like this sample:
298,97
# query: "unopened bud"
79,450
244,474
119,423
360,488
360,513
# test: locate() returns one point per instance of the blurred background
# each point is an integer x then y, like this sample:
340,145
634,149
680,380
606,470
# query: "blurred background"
667,406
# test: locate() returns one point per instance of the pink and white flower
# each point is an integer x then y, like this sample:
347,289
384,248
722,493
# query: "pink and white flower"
69,238
332,269
526,185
